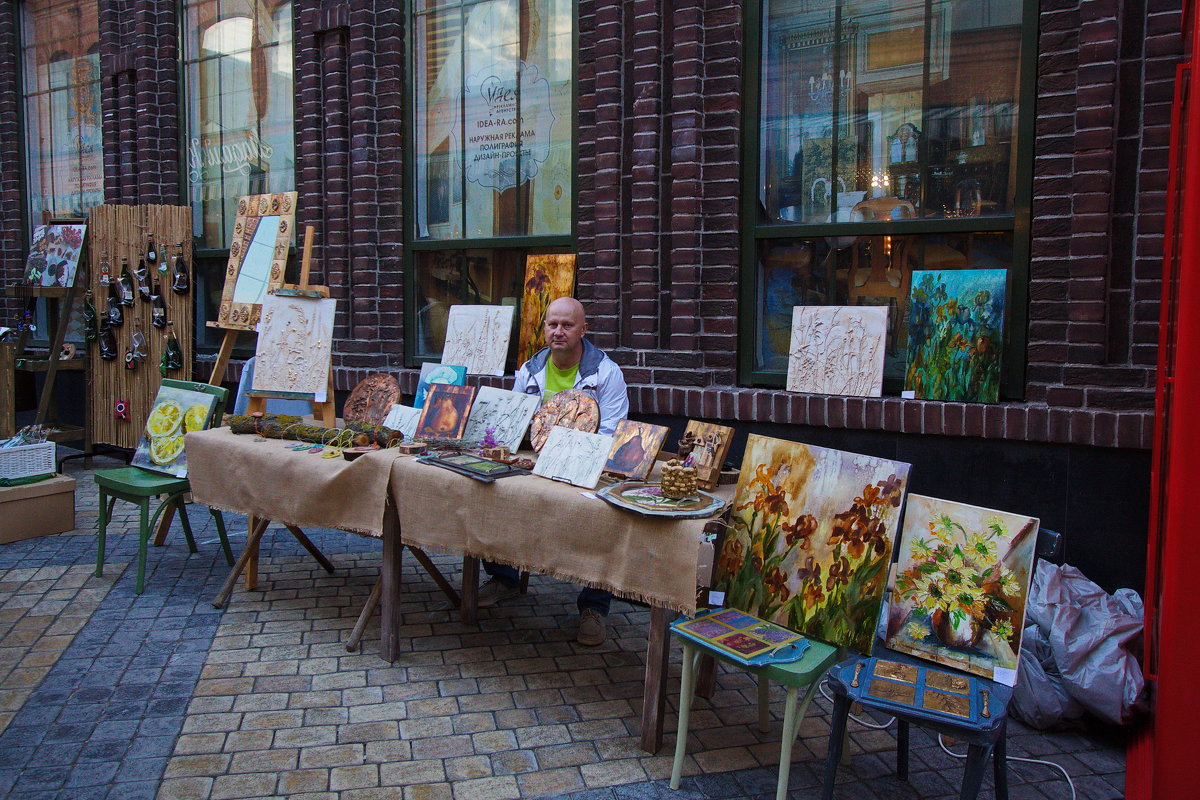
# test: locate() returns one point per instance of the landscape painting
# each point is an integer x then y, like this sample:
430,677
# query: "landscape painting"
811,537
505,413
960,589
547,278
477,337
635,446
445,413
838,350
955,332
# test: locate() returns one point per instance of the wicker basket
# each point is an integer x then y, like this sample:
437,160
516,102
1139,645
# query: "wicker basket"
27,460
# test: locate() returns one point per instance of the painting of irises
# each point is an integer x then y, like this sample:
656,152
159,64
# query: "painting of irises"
956,326
811,538
960,589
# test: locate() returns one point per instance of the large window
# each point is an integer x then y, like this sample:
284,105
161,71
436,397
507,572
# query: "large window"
492,130
238,79
890,139
61,66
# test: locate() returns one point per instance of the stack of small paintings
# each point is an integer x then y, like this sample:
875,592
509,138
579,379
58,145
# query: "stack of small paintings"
635,446
576,457
476,467
445,413
744,636
175,412
955,332
811,538
960,588
54,255
449,374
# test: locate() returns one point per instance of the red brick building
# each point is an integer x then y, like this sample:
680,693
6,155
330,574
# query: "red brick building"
688,151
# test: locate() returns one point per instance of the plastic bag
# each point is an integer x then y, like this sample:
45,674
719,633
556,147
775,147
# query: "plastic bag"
1093,639
1040,698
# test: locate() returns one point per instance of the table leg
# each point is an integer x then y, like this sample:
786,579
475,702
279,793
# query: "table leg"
436,574
706,676
243,560
312,549
836,742
389,581
470,590
251,554
364,616
654,697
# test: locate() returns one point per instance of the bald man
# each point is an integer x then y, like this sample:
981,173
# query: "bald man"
569,361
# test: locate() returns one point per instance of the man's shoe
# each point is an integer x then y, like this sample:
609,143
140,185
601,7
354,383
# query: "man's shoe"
495,591
591,628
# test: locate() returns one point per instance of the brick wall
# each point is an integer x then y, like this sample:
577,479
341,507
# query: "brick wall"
12,208
659,162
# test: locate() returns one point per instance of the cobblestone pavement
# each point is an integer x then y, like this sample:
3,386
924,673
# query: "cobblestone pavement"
105,694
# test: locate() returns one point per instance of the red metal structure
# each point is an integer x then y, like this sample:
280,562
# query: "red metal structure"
1160,763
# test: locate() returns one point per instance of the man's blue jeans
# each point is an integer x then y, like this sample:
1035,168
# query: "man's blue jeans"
596,599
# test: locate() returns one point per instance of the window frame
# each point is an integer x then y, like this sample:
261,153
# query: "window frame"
413,245
754,232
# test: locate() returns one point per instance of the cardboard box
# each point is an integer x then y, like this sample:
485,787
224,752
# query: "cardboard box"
37,509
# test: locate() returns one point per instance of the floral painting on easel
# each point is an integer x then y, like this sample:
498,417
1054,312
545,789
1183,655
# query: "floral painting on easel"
955,330
959,593
811,538
54,255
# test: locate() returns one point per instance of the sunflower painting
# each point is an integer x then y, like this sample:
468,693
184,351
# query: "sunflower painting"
959,591
547,278
811,539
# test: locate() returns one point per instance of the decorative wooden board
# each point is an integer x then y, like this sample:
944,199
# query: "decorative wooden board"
121,231
574,409
372,399
236,313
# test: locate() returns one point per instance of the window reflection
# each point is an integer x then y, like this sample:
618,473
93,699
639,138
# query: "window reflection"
870,99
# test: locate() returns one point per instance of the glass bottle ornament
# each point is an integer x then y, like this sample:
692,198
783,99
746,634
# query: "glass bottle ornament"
158,308
172,357
115,315
108,343
90,334
105,270
137,341
126,283
181,280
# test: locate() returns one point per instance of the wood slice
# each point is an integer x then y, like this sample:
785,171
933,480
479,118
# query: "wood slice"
372,399
573,409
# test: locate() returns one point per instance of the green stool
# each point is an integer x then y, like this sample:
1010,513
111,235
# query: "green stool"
138,486
803,674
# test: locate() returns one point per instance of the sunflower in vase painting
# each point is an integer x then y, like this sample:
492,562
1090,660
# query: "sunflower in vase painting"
810,542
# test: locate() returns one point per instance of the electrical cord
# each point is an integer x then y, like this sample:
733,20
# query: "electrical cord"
875,726
1059,767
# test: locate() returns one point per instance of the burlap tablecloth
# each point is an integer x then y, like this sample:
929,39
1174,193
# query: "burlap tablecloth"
234,473
549,527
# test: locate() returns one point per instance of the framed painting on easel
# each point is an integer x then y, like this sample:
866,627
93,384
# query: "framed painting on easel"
258,255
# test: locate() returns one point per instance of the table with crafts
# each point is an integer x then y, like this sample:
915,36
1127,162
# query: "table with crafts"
529,522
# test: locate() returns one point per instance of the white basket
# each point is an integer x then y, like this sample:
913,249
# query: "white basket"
27,460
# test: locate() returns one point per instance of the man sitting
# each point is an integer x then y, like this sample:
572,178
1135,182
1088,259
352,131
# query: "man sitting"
567,362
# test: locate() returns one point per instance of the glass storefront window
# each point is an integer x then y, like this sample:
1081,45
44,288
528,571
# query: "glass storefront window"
493,84
910,102
238,79
63,146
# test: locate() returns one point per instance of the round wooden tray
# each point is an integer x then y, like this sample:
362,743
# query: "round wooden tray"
647,499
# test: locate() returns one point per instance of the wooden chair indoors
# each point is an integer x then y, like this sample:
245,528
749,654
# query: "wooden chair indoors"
138,486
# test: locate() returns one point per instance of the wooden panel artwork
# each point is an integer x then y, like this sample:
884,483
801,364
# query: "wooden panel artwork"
120,231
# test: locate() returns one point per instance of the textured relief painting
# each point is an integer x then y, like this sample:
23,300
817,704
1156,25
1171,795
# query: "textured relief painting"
837,350
635,446
547,278
959,593
506,413
477,337
404,419
573,456
811,537
295,339
955,331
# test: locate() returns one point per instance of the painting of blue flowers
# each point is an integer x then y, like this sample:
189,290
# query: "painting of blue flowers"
956,327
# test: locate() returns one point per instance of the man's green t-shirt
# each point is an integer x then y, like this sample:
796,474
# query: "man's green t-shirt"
558,380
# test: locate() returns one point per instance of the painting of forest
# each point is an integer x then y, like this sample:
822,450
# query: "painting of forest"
956,326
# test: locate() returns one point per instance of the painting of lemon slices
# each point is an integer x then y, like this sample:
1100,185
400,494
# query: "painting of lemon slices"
164,419
177,411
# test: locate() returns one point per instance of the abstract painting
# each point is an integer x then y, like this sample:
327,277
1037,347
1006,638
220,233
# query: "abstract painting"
506,413
295,339
54,255
449,374
573,456
811,537
174,413
403,419
547,278
712,445
837,350
955,330
445,413
477,337
635,446
959,592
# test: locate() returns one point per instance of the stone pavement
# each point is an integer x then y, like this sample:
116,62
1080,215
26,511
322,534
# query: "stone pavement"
105,694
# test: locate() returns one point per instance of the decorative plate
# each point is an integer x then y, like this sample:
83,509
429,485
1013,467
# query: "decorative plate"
372,399
648,499
573,409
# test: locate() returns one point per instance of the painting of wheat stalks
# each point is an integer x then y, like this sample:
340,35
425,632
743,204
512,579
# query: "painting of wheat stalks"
837,350
547,278
811,539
